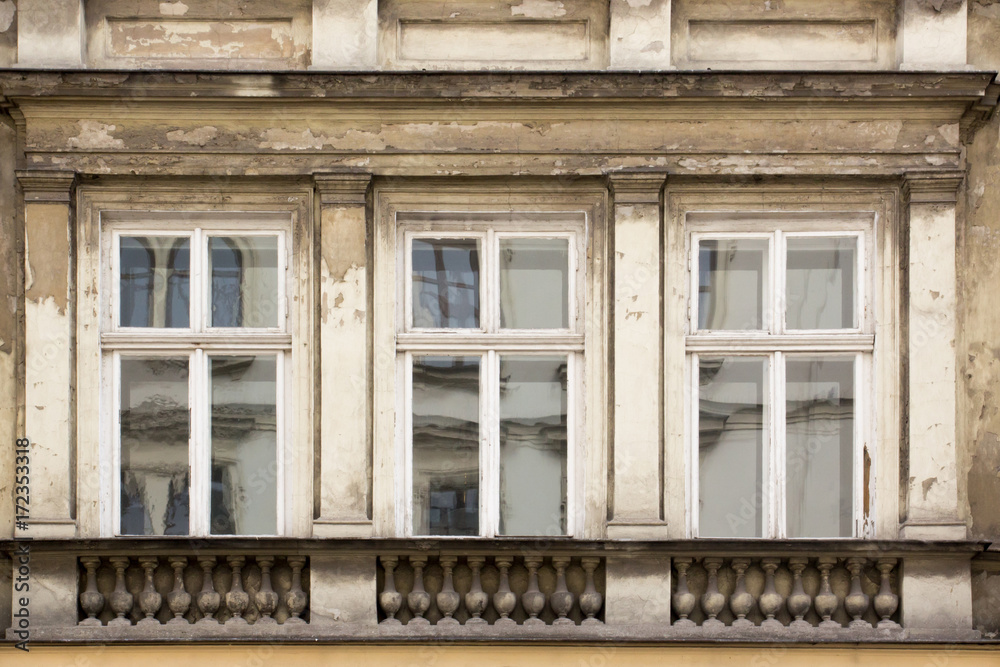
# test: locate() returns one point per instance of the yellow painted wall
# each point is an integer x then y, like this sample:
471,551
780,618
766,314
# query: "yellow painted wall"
262,655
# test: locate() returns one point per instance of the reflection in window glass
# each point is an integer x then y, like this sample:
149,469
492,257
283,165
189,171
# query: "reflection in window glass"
154,446
244,445
732,409
819,423
533,445
244,272
445,283
446,445
154,281
820,283
534,283
732,283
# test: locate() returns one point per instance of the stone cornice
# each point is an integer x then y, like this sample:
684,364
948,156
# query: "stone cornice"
916,87
932,187
342,187
46,186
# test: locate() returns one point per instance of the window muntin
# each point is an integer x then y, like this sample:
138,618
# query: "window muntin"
223,422
779,352
489,396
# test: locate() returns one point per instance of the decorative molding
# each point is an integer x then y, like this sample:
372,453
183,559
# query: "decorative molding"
348,187
932,187
46,186
637,187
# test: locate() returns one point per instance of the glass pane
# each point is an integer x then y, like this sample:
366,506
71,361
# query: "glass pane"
534,283
732,283
533,445
154,281
446,283
244,281
819,427
244,445
154,446
446,445
820,283
732,409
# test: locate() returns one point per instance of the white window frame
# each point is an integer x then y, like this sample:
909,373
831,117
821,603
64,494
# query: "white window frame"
198,342
488,342
774,343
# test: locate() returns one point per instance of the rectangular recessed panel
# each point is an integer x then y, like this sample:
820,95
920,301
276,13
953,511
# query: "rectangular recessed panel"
198,39
528,41
782,41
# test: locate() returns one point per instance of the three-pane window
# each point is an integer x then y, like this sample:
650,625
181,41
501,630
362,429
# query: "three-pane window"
490,346
779,344
197,345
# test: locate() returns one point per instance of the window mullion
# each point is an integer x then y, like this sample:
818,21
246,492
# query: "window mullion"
777,458
201,458
489,494
198,290
778,305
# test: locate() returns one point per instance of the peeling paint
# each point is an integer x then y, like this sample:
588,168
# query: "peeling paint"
7,12
539,9
173,8
94,134
197,137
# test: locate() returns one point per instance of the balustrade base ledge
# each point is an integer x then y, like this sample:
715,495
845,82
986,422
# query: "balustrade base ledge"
301,633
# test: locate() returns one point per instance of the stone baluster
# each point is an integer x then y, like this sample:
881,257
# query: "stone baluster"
562,599
149,599
208,598
770,600
265,597
237,599
419,600
886,602
826,601
856,602
741,601
713,601
91,599
683,599
448,599
121,599
590,599
295,598
476,599
798,602
504,599
533,599
390,599
178,599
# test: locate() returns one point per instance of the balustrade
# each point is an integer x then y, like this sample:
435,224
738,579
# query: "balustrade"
501,591
150,591
800,593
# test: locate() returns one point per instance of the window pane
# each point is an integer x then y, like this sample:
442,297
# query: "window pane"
154,446
732,409
820,283
732,283
534,283
533,445
446,283
244,281
819,418
244,445
154,281
446,445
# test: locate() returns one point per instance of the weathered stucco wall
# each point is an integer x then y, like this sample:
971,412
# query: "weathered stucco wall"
979,282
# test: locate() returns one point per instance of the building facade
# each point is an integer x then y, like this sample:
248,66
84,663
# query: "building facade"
579,331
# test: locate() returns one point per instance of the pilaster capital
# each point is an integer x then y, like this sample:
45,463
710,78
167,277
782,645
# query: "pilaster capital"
932,187
342,187
637,187
40,185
